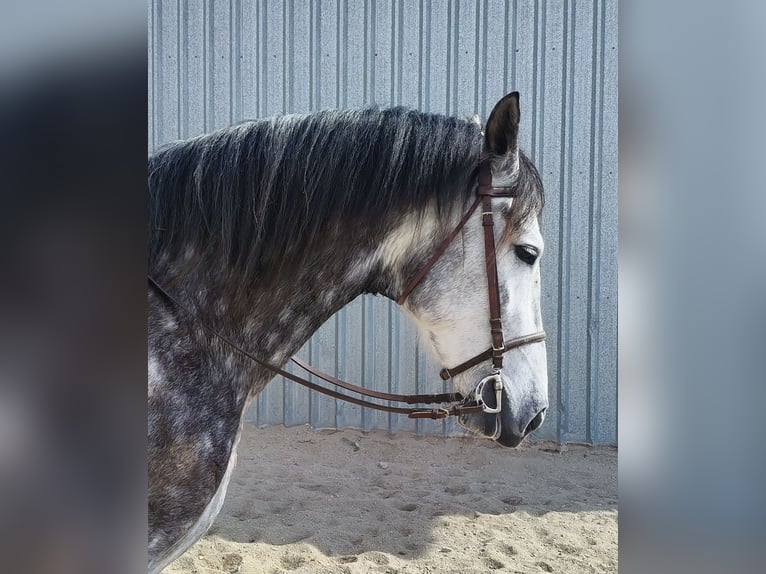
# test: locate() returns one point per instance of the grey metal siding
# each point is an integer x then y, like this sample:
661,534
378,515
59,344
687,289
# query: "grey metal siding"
212,63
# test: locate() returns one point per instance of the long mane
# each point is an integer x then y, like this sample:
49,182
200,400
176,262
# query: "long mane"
261,193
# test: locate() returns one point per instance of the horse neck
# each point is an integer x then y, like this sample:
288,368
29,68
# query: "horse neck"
345,267
274,320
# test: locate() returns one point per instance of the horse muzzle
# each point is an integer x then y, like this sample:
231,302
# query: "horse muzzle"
499,421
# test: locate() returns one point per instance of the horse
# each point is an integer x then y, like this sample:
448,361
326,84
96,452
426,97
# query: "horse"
261,231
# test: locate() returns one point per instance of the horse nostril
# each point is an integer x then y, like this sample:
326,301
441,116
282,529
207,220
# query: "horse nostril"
535,422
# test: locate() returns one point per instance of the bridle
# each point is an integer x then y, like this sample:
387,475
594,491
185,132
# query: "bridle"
485,191
457,405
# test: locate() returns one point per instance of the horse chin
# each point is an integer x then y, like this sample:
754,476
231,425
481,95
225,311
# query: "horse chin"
509,439
486,425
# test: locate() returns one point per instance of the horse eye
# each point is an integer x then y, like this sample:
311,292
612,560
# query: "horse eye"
526,253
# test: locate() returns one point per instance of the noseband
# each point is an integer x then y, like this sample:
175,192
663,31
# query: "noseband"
459,406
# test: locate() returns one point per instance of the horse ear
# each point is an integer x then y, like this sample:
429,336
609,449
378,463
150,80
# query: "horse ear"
503,126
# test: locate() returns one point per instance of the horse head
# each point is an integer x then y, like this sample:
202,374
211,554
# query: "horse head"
451,302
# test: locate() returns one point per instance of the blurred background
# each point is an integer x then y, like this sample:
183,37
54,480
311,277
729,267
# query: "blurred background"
72,287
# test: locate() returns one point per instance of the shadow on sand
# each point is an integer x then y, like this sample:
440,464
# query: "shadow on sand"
347,492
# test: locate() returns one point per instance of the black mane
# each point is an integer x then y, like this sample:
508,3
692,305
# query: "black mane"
259,194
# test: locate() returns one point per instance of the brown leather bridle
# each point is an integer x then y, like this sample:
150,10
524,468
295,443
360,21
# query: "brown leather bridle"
459,405
485,191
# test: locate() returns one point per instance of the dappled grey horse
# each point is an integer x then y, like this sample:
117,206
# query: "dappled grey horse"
261,231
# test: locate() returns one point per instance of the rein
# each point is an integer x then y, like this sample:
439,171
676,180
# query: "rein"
440,413
460,405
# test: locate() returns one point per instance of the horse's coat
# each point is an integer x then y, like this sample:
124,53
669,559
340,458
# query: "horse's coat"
267,228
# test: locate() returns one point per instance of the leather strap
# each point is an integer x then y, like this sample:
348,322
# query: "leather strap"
485,186
486,355
438,253
409,399
490,260
484,189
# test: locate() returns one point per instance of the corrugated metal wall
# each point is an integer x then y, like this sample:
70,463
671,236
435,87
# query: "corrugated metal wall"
212,63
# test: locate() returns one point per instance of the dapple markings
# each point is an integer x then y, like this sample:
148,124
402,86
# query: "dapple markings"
266,229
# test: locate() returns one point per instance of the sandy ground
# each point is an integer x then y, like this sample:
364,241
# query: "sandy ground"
346,502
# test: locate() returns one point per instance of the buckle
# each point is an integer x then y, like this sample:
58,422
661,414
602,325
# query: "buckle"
433,414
